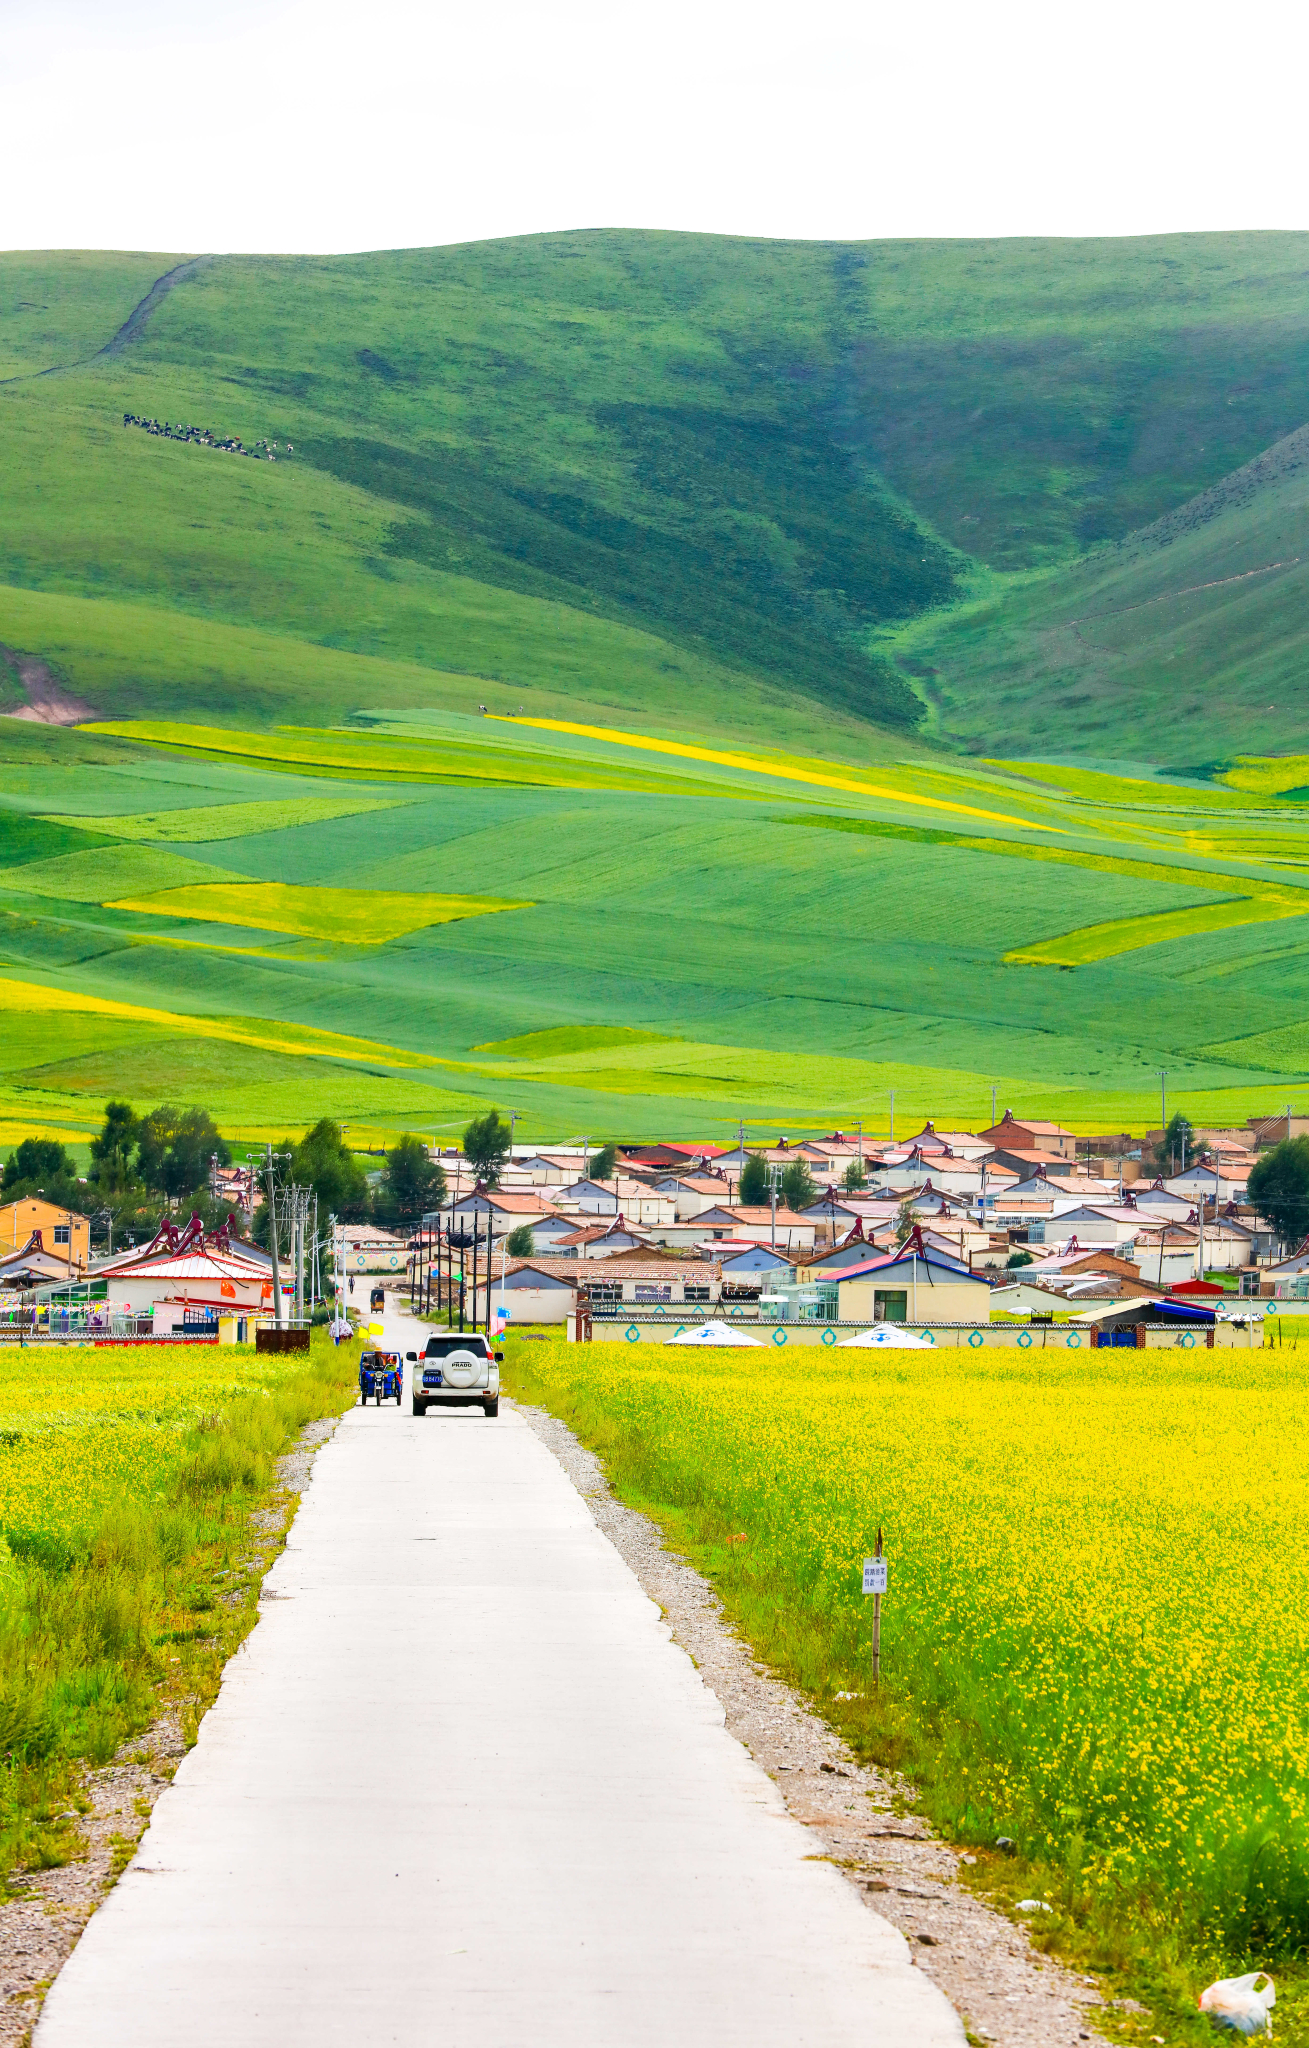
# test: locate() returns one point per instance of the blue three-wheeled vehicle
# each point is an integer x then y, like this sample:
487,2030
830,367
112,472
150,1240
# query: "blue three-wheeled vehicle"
381,1376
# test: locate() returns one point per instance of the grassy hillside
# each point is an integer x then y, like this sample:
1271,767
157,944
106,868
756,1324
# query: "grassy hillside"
61,306
640,471
1033,398
1188,636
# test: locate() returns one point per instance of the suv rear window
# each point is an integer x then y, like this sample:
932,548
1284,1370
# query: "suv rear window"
441,1347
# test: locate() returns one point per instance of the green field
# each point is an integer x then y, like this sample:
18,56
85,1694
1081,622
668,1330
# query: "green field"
883,648
787,942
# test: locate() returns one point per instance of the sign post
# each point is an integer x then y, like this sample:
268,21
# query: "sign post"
875,1582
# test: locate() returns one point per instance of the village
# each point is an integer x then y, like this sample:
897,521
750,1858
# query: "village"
1018,1229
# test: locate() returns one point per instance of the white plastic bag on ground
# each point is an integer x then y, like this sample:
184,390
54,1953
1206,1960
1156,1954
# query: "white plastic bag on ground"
1236,2002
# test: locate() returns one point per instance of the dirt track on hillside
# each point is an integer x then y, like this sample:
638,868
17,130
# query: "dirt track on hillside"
48,702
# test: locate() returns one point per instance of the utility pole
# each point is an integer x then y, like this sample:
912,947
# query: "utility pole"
893,1116
271,1179
1200,1269
272,1238
476,1236
301,1225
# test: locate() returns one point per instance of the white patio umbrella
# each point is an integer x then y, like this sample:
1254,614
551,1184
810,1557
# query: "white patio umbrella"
713,1333
888,1334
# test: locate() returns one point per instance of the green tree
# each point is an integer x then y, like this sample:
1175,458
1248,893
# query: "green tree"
154,1135
37,1160
486,1146
174,1148
904,1220
1019,1258
324,1162
855,1177
754,1180
1279,1188
1177,1144
111,1152
194,1142
603,1162
798,1189
520,1243
412,1184
41,1166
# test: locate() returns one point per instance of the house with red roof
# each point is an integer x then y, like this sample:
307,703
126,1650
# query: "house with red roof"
1030,1134
186,1277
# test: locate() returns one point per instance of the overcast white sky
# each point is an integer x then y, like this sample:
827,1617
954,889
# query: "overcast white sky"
313,125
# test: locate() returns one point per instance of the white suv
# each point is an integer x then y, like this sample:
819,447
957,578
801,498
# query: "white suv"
458,1371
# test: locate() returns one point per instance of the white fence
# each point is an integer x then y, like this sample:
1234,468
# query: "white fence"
644,1329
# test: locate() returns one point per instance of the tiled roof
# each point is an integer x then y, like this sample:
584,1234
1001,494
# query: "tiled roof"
233,1259
748,1213
631,1267
603,1230
1027,1123
703,1184
195,1265
54,1209
890,1260
1035,1158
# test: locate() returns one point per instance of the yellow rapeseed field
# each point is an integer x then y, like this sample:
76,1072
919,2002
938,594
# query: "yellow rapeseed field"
83,1430
128,1566
357,916
1096,1638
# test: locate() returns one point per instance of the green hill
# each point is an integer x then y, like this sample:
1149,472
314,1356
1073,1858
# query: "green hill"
643,470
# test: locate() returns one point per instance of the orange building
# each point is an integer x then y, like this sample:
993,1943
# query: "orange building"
63,1231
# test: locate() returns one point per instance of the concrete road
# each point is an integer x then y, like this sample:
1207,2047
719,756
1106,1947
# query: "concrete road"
460,1787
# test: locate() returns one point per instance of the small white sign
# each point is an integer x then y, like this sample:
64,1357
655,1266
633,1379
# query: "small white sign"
875,1574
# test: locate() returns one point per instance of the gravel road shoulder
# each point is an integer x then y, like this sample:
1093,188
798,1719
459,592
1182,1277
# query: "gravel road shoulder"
1005,1991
